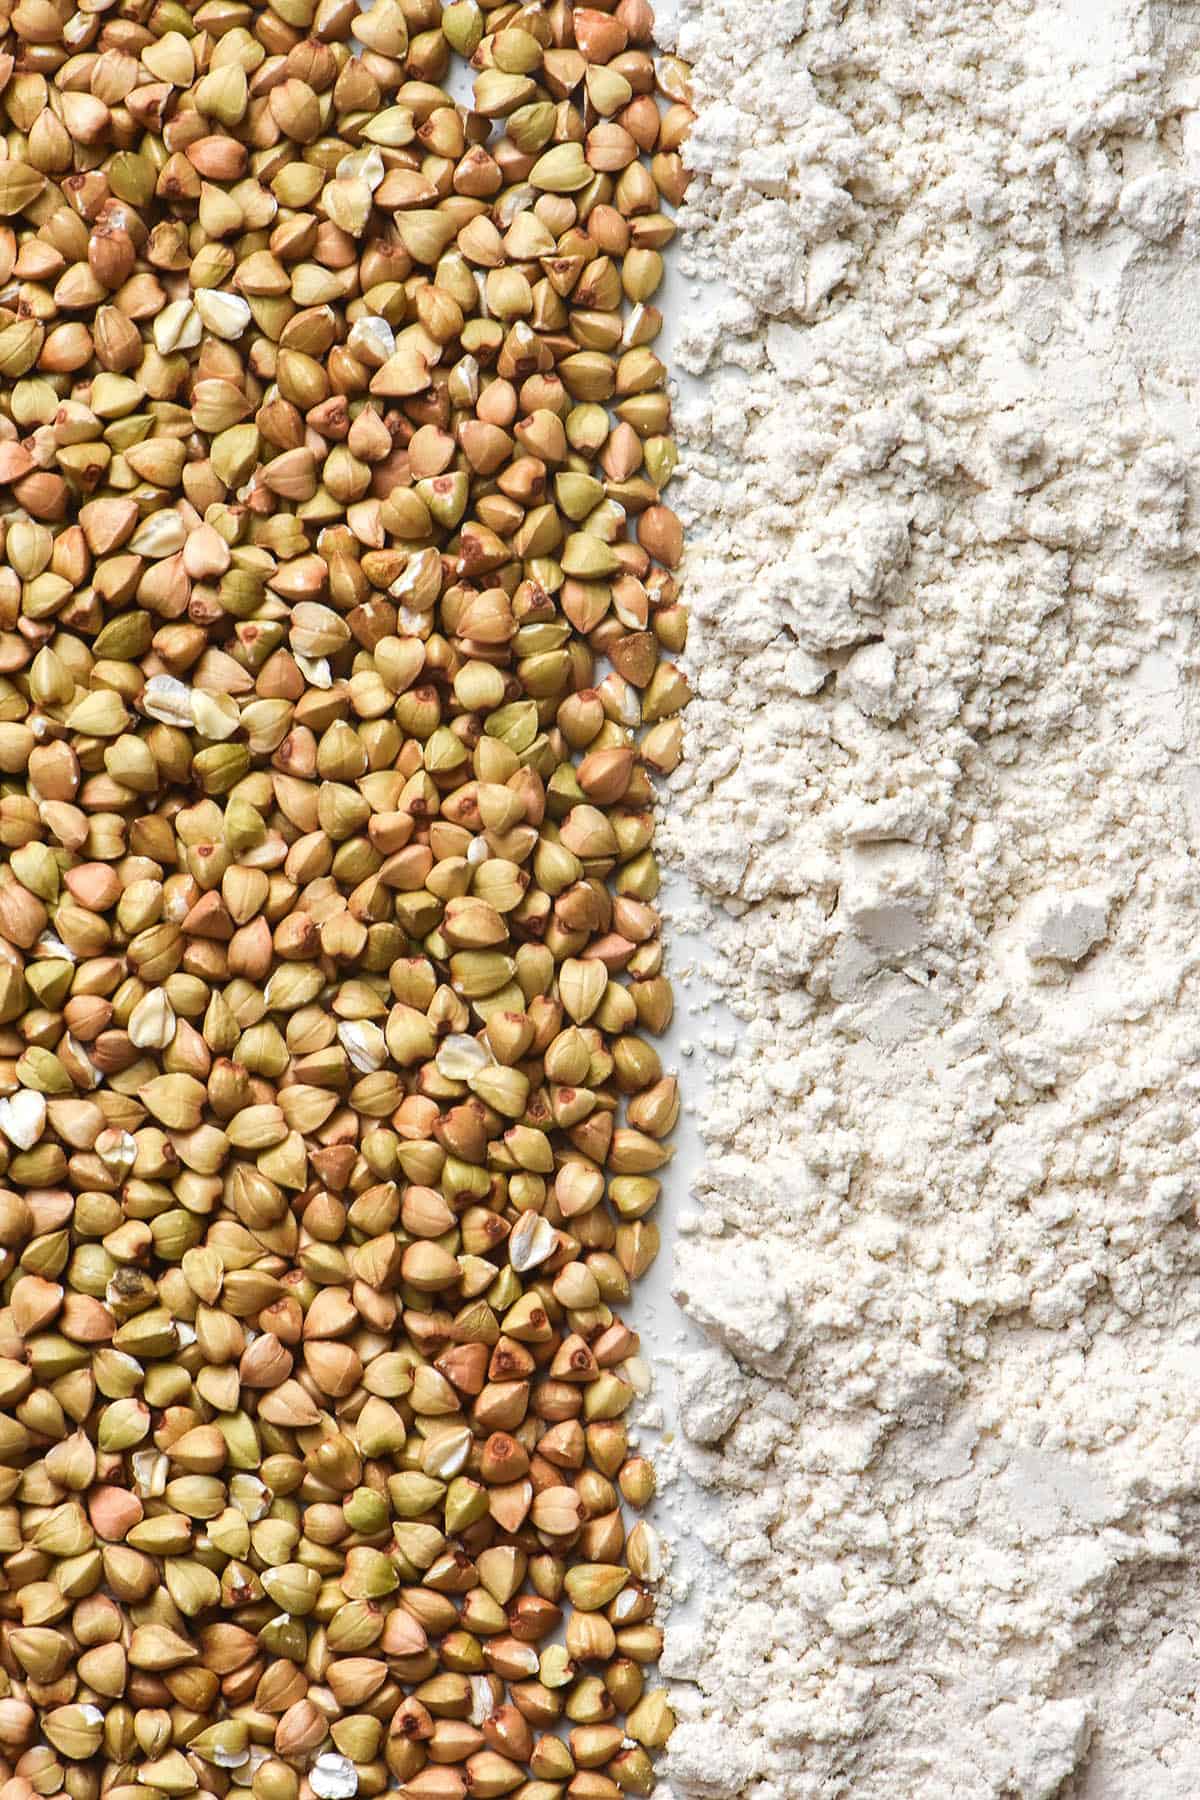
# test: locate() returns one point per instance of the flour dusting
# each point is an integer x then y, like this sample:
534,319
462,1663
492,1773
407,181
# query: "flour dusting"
939,821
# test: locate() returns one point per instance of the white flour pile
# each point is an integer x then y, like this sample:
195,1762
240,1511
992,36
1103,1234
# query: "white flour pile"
941,814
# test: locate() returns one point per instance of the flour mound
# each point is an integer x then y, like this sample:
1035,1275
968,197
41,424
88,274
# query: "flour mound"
939,826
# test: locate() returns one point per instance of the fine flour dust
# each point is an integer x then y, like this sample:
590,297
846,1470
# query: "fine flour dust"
940,822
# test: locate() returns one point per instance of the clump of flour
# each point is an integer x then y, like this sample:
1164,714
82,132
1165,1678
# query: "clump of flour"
939,823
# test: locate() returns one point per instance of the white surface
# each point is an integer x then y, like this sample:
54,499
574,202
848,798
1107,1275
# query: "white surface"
951,344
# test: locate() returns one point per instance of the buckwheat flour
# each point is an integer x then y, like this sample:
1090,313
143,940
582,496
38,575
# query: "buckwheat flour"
939,823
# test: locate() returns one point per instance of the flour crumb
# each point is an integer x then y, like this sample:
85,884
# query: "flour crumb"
869,679
710,1393
1064,927
1035,1747
1154,205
